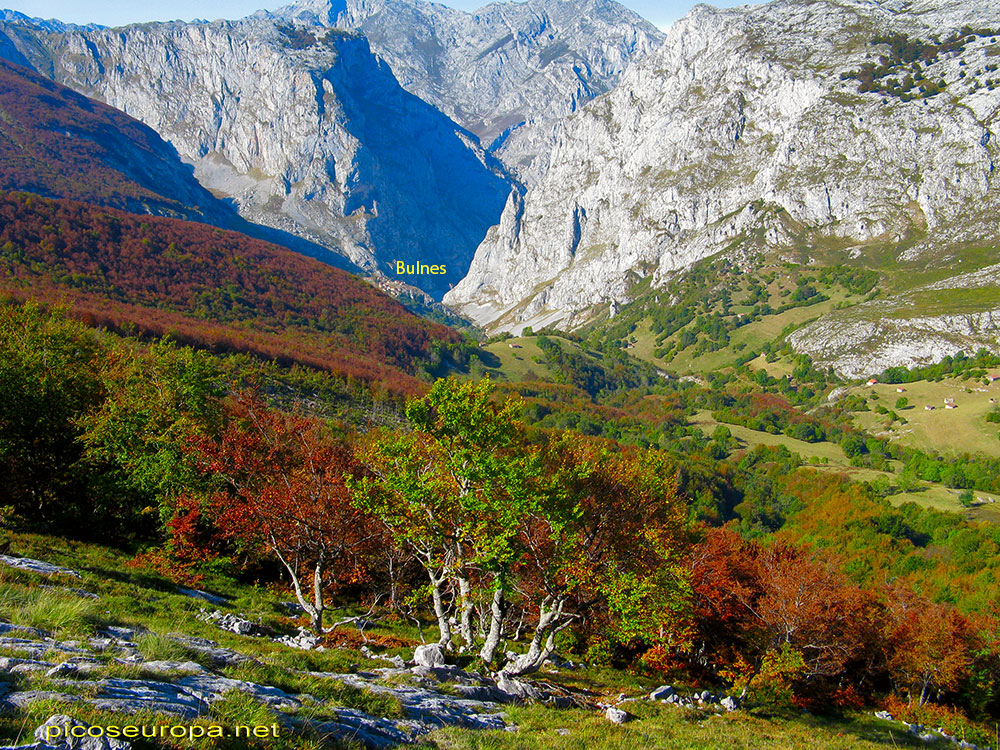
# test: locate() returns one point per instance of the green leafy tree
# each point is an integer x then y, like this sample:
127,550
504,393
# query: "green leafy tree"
49,378
606,546
453,491
158,401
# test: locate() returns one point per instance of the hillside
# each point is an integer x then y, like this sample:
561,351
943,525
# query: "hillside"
118,643
819,593
58,143
209,286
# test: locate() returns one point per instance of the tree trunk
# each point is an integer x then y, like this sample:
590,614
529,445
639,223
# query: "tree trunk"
492,643
465,614
315,608
318,606
440,612
543,642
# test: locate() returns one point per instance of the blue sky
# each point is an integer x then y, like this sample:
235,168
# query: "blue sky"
118,12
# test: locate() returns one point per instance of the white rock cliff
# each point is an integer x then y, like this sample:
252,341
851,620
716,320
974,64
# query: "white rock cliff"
738,133
508,72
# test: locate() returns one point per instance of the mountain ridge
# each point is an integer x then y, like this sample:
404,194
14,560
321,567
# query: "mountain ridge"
740,135
508,72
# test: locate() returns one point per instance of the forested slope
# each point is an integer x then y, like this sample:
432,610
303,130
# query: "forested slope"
58,143
209,286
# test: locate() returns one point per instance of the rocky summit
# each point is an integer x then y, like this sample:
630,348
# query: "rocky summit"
787,125
508,72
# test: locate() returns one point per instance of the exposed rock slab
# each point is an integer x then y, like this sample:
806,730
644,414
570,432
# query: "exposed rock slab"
37,566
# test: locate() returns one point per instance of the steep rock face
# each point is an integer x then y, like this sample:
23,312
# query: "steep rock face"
739,132
308,134
508,72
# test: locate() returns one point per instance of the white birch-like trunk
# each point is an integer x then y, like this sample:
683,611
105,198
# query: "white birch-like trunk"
492,641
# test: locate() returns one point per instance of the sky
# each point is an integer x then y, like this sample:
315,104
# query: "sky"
119,12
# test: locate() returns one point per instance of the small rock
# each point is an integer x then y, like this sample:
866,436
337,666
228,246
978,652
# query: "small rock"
616,715
172,667
662,693
563,732
27,667
729,703
55,733
121,633
234,623
883,715
429,655
305,640
517,688
211,650
396,661
65,669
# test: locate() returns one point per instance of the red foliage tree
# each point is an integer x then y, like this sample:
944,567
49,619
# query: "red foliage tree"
210,287
285,489
752,600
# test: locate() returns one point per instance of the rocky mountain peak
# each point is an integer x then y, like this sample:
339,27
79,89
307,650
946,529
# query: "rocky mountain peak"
508,72
749,128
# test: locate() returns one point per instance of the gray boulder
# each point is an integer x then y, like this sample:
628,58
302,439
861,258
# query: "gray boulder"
211,650
616,715
173,667
517,688
429,655
729,703
662,693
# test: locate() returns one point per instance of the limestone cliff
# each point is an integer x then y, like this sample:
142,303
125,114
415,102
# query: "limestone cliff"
307,133
509,72
747,129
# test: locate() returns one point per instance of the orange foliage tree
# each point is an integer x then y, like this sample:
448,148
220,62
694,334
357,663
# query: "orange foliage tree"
927,645
751,601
